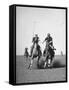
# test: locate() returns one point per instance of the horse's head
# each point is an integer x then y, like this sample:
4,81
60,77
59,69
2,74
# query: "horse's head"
36,50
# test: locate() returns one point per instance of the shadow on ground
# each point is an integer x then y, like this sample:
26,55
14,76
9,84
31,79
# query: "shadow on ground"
57,64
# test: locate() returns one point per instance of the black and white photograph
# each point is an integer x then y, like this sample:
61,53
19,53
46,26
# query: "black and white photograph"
40,44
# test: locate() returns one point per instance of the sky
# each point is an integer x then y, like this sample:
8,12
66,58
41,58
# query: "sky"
31,21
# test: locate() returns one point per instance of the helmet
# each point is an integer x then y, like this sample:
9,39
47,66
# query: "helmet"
48,34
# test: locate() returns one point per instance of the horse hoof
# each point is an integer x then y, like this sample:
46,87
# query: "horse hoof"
29,67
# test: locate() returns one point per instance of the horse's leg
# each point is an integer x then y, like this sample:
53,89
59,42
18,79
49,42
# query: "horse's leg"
39,56
46,61
38,60
31,62
49,62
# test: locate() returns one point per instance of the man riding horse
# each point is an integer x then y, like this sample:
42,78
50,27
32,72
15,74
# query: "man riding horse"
35,50
35,40
49,46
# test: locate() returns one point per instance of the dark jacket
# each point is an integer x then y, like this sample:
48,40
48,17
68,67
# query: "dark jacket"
35,39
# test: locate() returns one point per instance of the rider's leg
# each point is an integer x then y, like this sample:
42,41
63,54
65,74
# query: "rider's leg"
32,49
31,62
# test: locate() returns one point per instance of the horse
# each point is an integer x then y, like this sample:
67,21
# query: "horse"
35,53
49,55
26,53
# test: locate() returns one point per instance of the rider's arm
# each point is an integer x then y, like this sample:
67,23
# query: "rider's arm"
51,41
33,39
45,40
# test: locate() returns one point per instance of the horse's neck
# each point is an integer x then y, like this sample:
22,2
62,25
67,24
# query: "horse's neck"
35,51
35,45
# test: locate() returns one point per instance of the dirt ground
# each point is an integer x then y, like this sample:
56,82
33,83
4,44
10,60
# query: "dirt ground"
25,75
